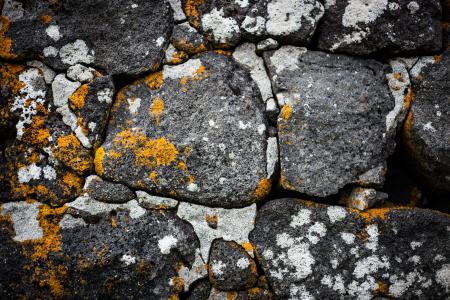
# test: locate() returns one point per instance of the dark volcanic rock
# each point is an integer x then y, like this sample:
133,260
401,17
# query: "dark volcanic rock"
230,266
120,256
200,290
309,250
195,131
123,37
226,23
108,192
366,27
186,38
332,126
427,127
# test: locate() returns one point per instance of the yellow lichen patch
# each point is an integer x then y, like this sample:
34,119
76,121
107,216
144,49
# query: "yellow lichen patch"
50,243
371,214
223,52
212,220
437,59
382,288
232,295
70,151
157,108
398,76
247,246
407,127
263,188
285,184
198,75
409,99
286,112
46,19
156,152
153,176
98,161
155,80
182,165
113,154
5,41
179,57
191,11
36,134
177,283
78,99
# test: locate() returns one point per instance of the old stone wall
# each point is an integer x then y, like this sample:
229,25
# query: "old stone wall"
212,149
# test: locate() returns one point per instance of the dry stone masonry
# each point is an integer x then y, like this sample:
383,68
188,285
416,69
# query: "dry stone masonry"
225,150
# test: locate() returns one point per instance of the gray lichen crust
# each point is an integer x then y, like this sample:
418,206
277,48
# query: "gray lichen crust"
317,251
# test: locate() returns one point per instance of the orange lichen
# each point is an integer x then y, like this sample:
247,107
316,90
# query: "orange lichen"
409,98
374,213
78,99
155,80
156,152
232,295
182,165
398,76
382,288
98,161
407,127
179,57
46,19
286,112
113,154
70,151
437,58
113,222
152,176
157,108
5,41
223,52
198,75
191,10
50,243
263,188
247,246
187,47
178,283
212,220
285,184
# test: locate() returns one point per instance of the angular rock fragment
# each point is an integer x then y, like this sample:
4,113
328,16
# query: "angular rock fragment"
154,202
230,267
194,132
118,256
174,56
200,291
332,125
226,23
178,13
108,192
187,39
427,128
122,37
388,27
316,251
362,198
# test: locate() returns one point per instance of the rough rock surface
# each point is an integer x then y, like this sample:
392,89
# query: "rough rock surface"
427,127
390,27
226,23
118,256
332,126
309,250
126,37
108,192
230,266
211,151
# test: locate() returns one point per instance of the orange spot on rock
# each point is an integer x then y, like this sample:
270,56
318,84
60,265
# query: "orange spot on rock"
78,99
286,112
157,108
5,41
46,19
98,161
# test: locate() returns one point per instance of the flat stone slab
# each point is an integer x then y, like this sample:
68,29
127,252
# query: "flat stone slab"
389,27
195,132
317,251
427,128
122,37
226,23
332,125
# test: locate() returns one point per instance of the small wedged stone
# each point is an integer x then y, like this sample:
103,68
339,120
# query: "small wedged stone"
154,202
115,257
227,23
185,38
427,128
230,267
200,291
362,198
98,33
194,132
308,250
391,28
332,125
108,192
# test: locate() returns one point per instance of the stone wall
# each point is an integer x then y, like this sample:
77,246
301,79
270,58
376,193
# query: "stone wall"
212,149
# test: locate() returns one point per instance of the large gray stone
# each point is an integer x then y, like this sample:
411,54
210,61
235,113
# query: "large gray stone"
119,256
226,23
427,127
122,37
195,131
316,251
332,126
388,27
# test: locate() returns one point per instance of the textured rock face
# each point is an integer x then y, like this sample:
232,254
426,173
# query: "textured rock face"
309,250
226,23
332,126
127,37
427,128
118,256
392,27
196,131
